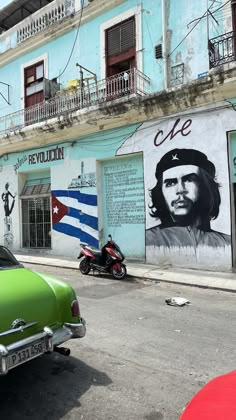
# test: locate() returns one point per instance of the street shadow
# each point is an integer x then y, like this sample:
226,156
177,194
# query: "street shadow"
47,388
126,279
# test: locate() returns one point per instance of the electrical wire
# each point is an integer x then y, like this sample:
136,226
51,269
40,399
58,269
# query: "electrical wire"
189,32
216,29
11,105
76,37
213,12
118,139
145,18
198,21
121,137
73,47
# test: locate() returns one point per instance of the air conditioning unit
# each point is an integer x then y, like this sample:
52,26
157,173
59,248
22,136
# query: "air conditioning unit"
50,88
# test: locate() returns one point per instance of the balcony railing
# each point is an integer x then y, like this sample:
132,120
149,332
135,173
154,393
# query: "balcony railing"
54,12
41,20
126,84
222,49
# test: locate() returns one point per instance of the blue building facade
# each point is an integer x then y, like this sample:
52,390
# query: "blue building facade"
119,119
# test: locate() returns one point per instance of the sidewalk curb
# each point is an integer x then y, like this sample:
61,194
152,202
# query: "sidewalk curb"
146,275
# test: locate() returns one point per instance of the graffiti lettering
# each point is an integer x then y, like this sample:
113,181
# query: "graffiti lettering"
20,162
159,139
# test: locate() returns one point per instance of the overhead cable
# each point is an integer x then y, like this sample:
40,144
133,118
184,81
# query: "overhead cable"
76,37
198,21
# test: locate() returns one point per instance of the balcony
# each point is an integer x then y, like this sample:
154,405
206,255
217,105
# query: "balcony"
128,84
222,49
41,20
21,29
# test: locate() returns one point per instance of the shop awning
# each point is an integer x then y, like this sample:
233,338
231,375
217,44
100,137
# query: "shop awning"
36,187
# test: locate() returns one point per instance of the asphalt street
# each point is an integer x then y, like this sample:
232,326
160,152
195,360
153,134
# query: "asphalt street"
141,359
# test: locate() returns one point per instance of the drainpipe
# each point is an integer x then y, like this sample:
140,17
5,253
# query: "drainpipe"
164,30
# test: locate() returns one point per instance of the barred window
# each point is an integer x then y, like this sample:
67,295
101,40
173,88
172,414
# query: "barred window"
36,223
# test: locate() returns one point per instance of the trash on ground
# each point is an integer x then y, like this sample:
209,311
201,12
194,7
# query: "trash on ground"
177,301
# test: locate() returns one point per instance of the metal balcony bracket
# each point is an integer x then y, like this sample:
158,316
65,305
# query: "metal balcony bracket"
6,99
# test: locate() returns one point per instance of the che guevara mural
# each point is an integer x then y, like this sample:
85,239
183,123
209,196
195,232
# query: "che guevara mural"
186,191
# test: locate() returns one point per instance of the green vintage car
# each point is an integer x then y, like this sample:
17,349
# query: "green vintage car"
37,313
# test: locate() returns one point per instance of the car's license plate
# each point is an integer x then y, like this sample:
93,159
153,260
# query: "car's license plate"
27,353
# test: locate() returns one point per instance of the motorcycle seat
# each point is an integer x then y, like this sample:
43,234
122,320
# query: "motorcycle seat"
94,251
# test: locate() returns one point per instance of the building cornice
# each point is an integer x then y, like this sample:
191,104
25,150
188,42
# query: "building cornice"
212,92
90,12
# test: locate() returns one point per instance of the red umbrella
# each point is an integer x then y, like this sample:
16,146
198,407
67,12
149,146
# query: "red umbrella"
215,401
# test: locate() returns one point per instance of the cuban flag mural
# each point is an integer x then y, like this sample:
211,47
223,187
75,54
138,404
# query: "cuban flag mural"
75,214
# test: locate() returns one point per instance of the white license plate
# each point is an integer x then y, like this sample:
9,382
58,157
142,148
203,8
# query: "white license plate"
28,353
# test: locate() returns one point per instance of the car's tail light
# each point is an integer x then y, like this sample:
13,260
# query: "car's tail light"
75,308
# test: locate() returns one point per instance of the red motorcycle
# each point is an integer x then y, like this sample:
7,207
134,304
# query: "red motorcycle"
107,260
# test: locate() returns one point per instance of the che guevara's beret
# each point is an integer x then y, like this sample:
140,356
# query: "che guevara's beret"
179,157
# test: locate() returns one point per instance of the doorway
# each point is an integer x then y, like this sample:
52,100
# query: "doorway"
232,165
123,204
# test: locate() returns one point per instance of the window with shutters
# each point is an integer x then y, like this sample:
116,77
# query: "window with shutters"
121,47
33,83
233,6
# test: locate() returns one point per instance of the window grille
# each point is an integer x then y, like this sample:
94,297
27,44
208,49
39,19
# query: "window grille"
177,75
36,222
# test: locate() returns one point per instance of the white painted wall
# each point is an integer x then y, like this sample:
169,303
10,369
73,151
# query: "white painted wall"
207,134
7,174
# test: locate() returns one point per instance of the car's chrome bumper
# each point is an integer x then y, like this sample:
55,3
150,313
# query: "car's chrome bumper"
69,331
77,330
29,348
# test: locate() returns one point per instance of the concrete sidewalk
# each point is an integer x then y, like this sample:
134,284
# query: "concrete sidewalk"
205,279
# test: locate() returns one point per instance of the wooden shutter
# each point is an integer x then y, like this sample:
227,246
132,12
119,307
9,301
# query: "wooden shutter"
121,38
33,79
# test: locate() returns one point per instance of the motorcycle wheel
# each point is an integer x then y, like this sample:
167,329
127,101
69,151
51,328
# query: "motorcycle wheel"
84,266
118,271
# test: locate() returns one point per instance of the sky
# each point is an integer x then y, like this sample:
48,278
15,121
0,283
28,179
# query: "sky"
3,3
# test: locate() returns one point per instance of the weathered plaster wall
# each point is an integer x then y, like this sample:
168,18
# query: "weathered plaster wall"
193,51
204,131
188,30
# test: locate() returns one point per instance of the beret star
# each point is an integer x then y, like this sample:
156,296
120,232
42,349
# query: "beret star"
179,157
